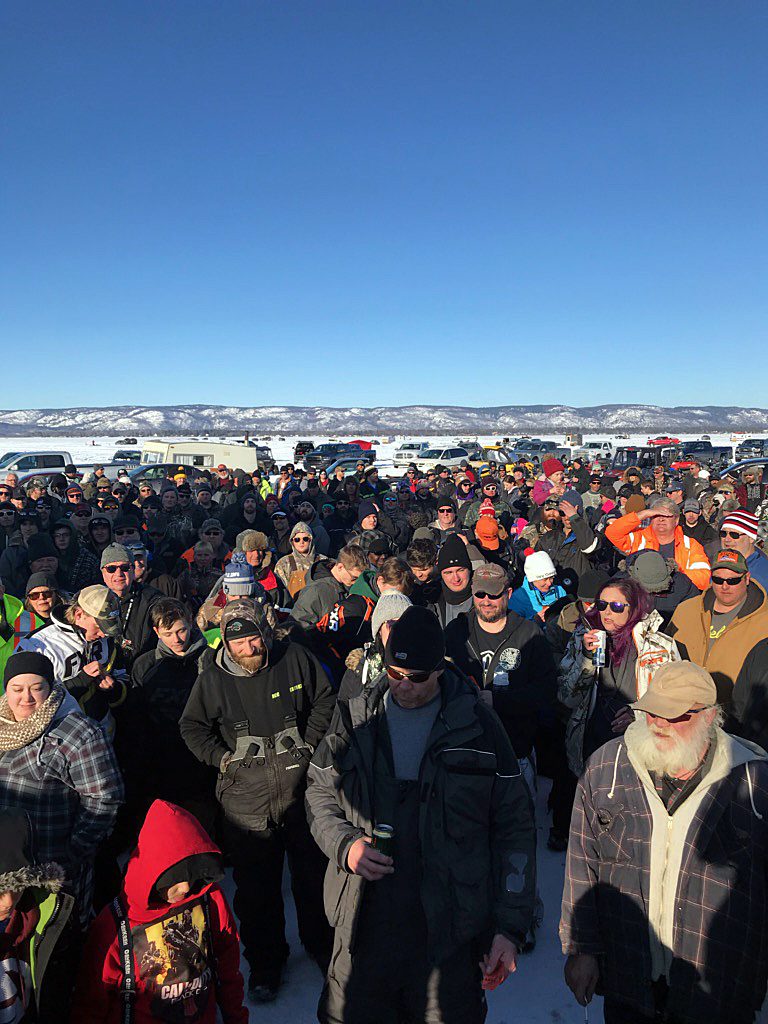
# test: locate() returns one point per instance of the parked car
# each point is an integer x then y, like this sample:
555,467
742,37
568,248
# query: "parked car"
663,440
128,441
408,452
440,456
159,471
28,462
753,447
322,456
540,450
347,462
594,451
302,448
644,458
127,455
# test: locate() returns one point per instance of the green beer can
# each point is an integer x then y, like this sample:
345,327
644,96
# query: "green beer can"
384,840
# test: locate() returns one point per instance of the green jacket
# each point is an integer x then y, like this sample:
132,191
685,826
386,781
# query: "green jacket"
364,584
476,827
15,622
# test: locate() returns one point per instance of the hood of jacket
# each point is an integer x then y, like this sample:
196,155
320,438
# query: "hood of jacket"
168,836
197,643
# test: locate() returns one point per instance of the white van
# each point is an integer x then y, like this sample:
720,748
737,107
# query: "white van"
408,452
209,454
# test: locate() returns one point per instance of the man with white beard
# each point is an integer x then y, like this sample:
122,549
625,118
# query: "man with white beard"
666,888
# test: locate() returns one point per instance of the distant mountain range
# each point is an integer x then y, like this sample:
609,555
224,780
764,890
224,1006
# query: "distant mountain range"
174,420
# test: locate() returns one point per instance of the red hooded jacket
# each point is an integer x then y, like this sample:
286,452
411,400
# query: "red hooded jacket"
174,971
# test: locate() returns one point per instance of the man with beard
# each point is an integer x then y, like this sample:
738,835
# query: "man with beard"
508,658
566,535
665,899
339,523
454,567
695,525
256,713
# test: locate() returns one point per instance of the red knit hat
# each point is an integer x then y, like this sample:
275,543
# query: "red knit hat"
487,508
741,521
550,466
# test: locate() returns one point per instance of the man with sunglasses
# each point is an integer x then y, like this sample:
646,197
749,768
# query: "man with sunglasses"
738,532
489,492
663,533
421,752
446,522
135,601
724,628
665,899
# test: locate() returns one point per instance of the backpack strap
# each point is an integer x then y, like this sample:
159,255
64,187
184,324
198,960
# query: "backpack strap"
125,940
211,950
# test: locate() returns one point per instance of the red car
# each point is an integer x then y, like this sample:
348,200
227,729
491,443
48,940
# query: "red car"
663,440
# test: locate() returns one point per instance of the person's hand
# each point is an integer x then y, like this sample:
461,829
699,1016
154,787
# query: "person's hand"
581,976
621,720
370,864
569,509
591,640
499,963
649,513
542,612
107,683
558,489
92,669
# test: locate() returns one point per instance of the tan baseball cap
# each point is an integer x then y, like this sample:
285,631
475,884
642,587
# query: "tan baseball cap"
677,687
103,605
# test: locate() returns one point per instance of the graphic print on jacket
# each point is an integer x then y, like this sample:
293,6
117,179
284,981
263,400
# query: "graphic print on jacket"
174,958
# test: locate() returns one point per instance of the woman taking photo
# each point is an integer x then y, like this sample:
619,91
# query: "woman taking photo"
600,676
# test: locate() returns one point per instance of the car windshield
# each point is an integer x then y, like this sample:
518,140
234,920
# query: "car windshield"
432,453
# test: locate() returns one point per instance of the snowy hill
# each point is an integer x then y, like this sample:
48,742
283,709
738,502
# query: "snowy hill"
425,420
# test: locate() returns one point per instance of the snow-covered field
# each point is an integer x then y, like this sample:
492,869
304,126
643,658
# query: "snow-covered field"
101,449
536,994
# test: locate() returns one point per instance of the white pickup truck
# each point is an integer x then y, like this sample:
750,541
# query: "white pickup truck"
46,463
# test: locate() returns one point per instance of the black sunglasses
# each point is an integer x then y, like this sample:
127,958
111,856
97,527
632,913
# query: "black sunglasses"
482,594
731,534
722,581
615,606
121,567
414,677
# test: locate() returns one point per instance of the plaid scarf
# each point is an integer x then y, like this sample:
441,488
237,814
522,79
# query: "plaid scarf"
14,735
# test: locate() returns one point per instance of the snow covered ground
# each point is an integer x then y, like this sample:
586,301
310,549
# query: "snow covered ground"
536,994
102,449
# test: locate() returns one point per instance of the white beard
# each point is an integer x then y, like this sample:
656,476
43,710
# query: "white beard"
678,757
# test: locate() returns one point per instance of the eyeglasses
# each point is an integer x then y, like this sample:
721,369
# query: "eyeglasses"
40,595
413,677
731,534
123,567
445,510
123,531
615,606
7,512
482,594
212,533
82,515
726,581
302,539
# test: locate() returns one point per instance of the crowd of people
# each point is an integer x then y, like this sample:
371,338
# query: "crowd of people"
366,676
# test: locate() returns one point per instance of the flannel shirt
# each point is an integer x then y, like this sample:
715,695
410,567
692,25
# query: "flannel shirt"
720,947
69,783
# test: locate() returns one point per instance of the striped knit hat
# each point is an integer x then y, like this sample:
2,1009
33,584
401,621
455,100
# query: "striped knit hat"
741,522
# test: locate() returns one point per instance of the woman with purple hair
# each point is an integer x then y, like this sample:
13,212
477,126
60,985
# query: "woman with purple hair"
599,689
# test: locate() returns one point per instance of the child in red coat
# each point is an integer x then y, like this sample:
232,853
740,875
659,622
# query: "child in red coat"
169,937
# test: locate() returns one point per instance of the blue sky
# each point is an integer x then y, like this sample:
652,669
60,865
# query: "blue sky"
383,202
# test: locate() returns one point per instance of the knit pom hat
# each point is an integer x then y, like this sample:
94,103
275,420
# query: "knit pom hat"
238,577
487,508
538,566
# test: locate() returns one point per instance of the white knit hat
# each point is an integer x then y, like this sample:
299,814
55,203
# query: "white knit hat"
538,566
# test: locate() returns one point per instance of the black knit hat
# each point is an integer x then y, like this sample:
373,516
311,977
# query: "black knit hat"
32,662
454,554
41,546
416,641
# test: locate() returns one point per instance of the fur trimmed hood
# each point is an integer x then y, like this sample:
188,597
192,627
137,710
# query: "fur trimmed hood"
18,869
48,876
